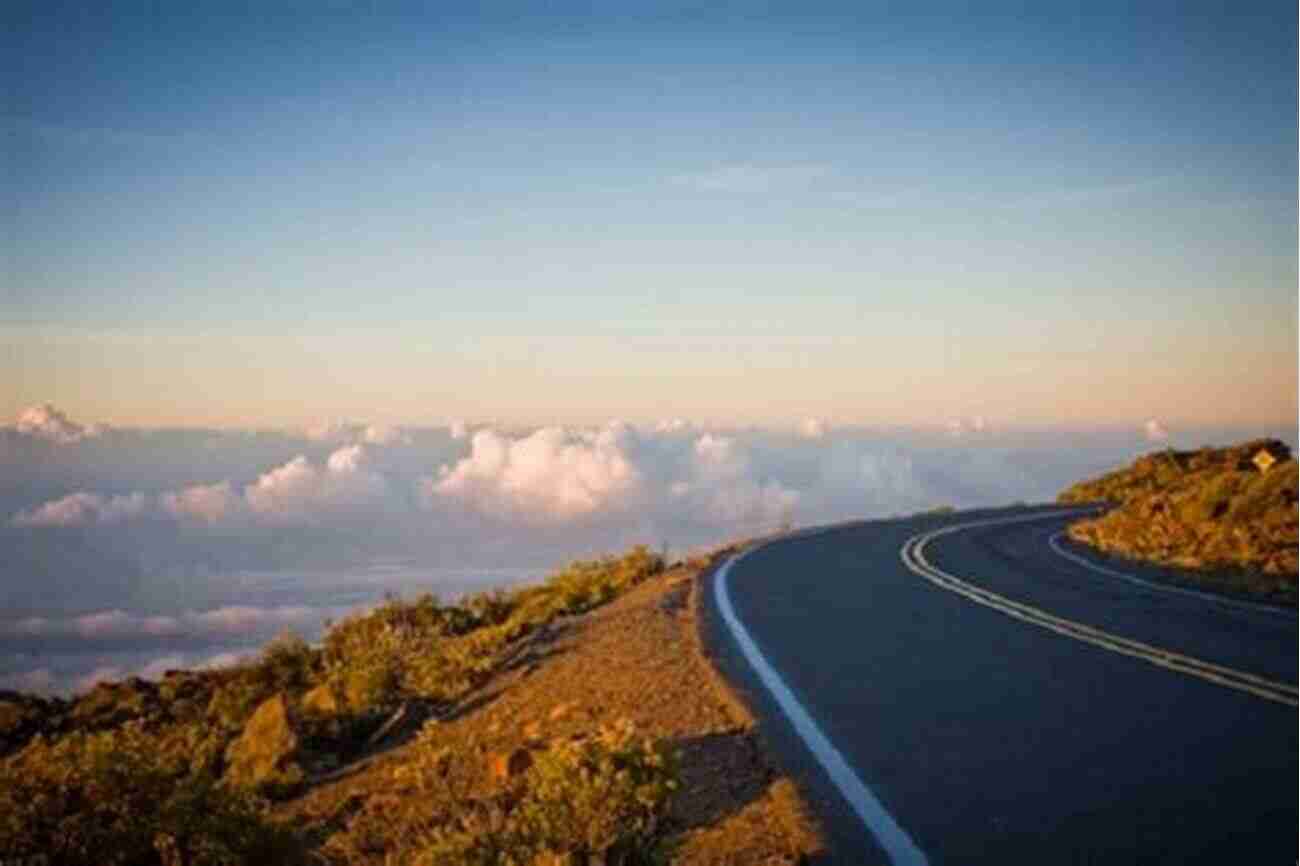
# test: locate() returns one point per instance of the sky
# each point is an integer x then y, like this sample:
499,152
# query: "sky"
1057,216
307,304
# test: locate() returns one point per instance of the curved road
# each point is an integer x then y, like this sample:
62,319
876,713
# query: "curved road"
971,688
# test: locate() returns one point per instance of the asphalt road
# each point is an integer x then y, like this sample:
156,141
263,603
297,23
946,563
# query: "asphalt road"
993,701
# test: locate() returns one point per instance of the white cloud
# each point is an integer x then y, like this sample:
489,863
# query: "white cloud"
553,474
384,434
224,660
334,431
227,621
749,504
155,669
1155,431
673,425
813,428
299,491
716,457
203,503
723,489
976,424
246,619
103,624
48,423
101,674
83,509
350,432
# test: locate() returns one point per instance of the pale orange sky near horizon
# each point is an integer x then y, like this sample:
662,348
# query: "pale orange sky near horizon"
264,381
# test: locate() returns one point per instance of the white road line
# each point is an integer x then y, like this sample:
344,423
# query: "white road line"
1055,543
913,556
900,848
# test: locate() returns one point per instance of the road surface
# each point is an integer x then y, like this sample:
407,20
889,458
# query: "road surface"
970,688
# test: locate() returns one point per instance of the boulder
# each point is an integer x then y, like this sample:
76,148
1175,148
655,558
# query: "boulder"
264,755
321,701
505,766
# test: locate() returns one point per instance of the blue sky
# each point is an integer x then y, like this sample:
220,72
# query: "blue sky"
1051,215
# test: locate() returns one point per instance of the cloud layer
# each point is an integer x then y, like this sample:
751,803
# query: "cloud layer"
194,541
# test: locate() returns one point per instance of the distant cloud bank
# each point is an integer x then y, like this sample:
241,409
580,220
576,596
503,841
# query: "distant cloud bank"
48,423
127,540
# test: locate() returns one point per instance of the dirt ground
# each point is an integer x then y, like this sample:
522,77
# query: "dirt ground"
639,658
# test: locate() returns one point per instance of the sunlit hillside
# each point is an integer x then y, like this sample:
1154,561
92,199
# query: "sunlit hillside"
1229,513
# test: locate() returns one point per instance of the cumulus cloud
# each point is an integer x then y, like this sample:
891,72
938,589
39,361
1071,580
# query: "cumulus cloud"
83,509
813,428
722,488
48,423
299,490
552,474
1155,431
202,503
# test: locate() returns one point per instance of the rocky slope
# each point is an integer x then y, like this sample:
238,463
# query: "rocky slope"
574,722
1217,512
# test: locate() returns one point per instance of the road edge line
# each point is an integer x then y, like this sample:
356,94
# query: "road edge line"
1054,542
895,841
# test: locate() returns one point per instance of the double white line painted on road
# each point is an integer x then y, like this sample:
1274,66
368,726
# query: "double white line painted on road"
900,848
913,555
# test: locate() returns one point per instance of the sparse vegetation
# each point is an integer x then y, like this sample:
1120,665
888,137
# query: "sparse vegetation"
176,773
599,799
130,796
1211,510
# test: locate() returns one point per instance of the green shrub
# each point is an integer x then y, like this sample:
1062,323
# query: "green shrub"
129,796
287,664
605,796
586,584
422,648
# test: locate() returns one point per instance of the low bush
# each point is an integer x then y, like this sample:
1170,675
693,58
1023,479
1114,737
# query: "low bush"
141,780
287,664
1212,510
131,797
600,799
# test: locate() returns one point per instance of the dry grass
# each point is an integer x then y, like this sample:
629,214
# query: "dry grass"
637,661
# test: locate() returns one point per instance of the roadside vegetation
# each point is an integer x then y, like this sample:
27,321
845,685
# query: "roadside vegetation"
187,771
1213,511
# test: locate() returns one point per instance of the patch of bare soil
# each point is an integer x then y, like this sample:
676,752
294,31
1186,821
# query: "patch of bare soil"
639,658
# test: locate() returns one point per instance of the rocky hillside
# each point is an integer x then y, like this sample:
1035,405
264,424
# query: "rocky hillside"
574,722
1228,515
